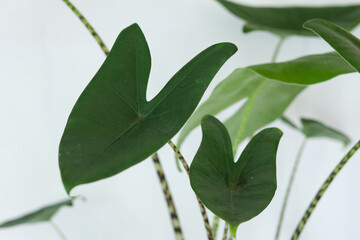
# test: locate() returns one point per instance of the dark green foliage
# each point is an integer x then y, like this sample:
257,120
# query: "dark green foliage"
267,92
289,20
112,125
346,44
234,191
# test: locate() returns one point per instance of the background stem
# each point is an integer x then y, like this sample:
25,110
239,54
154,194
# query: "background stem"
277,49
322,190
226,229
202,207
166,190
57,230
88,26
215,226
289,187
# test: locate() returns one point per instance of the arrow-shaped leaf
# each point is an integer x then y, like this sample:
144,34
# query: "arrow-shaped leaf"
346,44
289,20
267,97
112,125
314,129
234,191
41,215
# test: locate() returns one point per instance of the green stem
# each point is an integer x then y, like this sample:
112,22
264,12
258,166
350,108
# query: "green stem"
57,230
88,26
170,203
201,205
171,206
289,187
277,49
215,225
322,190
226,229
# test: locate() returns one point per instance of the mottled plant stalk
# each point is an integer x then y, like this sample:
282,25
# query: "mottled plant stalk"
88,26
57,230
226,229
322,190
202,207
171,206
289,187
215,226
159,170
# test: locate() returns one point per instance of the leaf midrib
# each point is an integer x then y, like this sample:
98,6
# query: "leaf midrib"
247,111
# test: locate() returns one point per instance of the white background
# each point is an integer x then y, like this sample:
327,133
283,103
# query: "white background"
46,59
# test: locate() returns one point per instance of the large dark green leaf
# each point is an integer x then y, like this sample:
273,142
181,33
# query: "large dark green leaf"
314,129
112,125
289,20
239,191
42,215
346,44
266,92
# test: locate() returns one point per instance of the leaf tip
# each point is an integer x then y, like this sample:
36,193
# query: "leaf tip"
309,24
233,230
68,188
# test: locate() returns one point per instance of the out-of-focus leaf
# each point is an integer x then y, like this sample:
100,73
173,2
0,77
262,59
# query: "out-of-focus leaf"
346,44
289,20
112,125
313,129
298,71
42,215
289,123
267,92
234,191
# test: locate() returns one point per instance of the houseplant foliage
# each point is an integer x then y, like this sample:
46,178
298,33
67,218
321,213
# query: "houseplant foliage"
314,129
235,191
113,127
310,129
43,214
268,89
348,46
258,93
289,20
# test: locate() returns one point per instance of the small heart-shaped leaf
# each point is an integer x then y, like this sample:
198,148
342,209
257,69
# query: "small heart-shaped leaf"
41,215
289,20
112,125
234,191
346,44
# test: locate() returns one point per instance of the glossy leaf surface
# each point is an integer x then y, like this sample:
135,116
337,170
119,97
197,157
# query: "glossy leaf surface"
234,191
267,94
41,215
346,44
112,125
289,20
